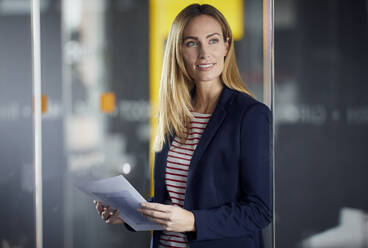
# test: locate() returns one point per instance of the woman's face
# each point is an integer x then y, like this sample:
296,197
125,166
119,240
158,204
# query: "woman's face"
204,49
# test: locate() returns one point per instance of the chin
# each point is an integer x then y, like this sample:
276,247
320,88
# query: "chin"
207,79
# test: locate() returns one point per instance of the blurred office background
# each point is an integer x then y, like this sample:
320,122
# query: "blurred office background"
321,61
96,83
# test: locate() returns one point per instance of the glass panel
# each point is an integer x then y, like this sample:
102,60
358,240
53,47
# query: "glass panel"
105,91
53,156
321,123
17,227
97,79
249,48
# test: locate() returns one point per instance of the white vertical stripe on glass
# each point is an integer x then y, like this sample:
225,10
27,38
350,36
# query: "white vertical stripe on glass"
37,121
269,90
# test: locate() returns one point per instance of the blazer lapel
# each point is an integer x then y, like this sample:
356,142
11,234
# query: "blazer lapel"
214,123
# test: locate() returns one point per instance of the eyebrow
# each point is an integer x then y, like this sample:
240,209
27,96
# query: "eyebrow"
195,38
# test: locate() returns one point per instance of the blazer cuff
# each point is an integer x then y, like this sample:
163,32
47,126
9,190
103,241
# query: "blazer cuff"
196,235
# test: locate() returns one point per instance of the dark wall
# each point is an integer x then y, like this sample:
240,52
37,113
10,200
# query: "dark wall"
321,116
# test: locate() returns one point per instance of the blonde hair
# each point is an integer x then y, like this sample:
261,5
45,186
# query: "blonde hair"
174,95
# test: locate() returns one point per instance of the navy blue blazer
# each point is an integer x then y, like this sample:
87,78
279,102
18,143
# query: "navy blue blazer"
228,183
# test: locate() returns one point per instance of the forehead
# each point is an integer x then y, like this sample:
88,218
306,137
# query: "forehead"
201,26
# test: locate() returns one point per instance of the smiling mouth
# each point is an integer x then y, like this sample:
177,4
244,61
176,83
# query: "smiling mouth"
205,66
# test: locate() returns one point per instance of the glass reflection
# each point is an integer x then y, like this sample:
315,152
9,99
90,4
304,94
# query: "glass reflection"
104,53
16,136
321,123
106,114
95,78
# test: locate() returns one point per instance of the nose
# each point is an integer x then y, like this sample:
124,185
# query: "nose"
203,51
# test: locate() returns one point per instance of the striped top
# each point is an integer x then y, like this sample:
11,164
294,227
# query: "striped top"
177,166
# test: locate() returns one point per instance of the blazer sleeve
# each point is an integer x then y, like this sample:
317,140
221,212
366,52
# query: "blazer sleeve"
251,212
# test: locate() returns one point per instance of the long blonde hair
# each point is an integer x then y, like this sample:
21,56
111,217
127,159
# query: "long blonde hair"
174,95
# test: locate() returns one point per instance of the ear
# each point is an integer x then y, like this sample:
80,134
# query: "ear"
227,46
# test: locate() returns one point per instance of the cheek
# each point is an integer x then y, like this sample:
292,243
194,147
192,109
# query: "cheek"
220,54
220,58
189,59
220,68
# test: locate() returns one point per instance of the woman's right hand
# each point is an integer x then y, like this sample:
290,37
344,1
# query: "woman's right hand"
109,215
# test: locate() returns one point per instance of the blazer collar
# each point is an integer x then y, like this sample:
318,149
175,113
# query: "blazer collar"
225,96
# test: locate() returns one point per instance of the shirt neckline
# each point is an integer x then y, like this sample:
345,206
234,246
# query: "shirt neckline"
197,113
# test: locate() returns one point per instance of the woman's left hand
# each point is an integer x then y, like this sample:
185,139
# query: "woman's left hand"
172,218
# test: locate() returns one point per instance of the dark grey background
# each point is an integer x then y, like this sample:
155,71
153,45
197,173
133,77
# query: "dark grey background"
321,61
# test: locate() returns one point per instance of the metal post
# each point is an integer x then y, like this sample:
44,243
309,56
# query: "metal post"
37,120
269,88
268,52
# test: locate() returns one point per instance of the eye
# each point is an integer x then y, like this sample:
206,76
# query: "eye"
214,41
191,43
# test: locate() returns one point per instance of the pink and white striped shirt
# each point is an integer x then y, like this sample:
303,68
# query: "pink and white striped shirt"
177,166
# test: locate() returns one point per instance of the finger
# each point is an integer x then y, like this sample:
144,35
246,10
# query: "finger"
105,208
99,207
110,221
114,220
105,215
110,209
156,206
111,213
154,213
158,221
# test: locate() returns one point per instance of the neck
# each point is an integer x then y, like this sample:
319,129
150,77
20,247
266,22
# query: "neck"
206,97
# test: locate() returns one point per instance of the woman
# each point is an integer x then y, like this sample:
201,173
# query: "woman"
212,166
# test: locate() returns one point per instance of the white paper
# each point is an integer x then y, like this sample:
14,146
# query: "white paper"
118,193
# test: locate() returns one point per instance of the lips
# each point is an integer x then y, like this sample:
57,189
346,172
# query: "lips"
205,66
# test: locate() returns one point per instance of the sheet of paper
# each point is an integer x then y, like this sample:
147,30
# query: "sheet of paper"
118,193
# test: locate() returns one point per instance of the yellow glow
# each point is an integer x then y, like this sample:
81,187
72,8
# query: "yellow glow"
44,99
162,14
107,102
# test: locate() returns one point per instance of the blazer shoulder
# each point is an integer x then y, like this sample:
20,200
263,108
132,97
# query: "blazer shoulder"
245,102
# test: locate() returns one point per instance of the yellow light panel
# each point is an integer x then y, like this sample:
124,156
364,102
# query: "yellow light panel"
162,14
107,102
44,100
